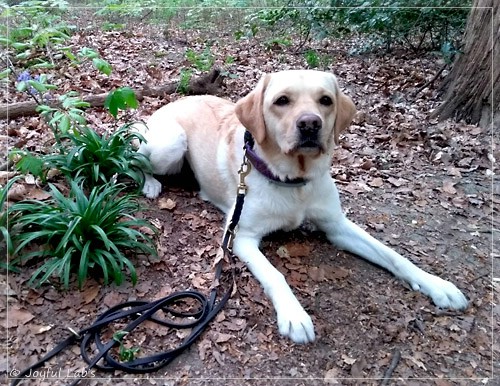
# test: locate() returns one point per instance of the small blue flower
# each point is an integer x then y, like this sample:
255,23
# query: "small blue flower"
48,97
24,76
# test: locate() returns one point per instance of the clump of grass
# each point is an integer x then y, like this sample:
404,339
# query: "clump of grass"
5,234
97,159
82,232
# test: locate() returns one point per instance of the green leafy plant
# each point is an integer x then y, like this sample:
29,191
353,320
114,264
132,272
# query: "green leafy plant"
278,42
82,232
82,153
125,354
317,60
312,58
185,77
121,99
425,25
97,159
69,115
5,236
202,61
101,158
116,10
36,33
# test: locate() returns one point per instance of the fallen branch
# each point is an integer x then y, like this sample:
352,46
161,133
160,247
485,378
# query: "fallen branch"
396,357
209,83
427,84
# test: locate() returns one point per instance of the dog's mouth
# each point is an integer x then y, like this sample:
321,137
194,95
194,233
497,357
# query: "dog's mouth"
309,144
309,127
307,147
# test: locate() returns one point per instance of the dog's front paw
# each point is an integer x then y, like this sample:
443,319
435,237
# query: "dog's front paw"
296,324
443,293
152,187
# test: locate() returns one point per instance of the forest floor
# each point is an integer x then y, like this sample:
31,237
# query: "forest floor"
423,187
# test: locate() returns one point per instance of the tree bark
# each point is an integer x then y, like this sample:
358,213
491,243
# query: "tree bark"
472,88
209,83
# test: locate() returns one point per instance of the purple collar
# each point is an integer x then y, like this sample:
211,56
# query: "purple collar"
259,164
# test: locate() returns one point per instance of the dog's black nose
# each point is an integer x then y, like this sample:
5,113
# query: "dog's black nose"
309,125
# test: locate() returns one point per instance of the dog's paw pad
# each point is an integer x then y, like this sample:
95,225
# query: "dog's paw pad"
152,188
297,326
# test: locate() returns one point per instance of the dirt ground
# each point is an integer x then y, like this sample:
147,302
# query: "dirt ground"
423,187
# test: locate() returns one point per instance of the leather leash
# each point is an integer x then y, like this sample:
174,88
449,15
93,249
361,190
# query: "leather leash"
140,311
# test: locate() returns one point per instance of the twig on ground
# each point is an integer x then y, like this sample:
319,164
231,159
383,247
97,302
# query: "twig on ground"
396,357
427,84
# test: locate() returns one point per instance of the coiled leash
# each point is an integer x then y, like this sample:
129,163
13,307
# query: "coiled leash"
140,311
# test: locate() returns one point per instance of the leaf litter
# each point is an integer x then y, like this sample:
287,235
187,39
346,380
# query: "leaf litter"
422,186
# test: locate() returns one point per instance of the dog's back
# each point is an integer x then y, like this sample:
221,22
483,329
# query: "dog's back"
200,129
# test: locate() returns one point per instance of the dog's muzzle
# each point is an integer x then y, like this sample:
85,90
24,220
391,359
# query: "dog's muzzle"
309,126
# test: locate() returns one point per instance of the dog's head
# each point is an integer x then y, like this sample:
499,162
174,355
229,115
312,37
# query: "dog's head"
299,112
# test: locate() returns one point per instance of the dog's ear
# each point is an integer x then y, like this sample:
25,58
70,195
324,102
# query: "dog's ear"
345,113
249,110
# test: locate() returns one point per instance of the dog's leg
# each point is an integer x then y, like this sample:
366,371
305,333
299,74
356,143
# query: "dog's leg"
348,236
293,320
165,147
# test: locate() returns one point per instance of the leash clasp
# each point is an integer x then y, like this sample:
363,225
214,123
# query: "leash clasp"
243,172
76,334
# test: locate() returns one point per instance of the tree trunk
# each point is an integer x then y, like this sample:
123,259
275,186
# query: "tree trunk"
472,88
205,84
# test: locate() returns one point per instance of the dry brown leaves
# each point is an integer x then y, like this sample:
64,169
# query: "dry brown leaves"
419,185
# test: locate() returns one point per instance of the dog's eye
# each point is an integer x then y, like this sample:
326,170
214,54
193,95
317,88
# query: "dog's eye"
325,100
282,101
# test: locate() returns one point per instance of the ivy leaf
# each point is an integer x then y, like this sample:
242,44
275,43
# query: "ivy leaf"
121,99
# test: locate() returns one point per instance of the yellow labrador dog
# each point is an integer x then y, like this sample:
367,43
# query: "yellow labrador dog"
294,118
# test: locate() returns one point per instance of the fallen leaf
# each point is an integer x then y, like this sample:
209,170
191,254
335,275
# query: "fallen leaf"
112,299
166,203
5,176
90,293
358,366
17,192
415,361
221,337
356,188
17,316
38,194
334,273
146,231
40,329
316,273
298,250
348,360
331,376
397,182
282,252
448,187
367,165
30,179
198,282
376,182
